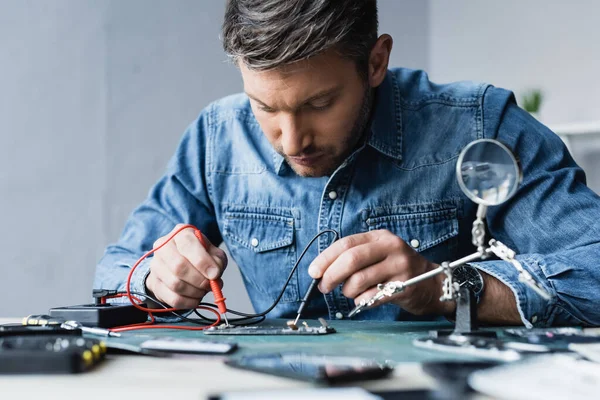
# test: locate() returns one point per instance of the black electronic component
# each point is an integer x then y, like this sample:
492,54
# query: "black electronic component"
319,369
49,354
101,315
29,330
106,315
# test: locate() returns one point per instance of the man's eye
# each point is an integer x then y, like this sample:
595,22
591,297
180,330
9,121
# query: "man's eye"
320,106
266,109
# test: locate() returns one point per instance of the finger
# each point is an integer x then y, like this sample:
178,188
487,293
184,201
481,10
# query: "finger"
173,282
350,262
216,253
366,278
175,300
206,284
189,246
320,264
169,257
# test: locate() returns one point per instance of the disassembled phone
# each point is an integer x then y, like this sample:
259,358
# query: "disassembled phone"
313,368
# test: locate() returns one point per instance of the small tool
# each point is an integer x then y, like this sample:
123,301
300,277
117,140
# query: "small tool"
214,285
219,299
387,290
89,329
304,300
46,320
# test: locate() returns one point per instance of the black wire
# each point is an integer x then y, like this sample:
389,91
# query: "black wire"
194,321
241,321
262,314
163,305
234,321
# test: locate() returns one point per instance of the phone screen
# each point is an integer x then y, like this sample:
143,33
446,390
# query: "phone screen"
315,368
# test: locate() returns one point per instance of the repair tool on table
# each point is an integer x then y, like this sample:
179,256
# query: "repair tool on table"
47,320
315,282
214,285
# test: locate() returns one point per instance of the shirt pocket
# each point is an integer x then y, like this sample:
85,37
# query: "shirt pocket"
430,229
262,244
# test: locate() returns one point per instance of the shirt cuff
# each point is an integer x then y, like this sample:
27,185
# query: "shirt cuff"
138,279
534,310
138,285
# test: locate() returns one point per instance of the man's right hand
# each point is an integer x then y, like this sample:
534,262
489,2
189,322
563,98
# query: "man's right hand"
180,271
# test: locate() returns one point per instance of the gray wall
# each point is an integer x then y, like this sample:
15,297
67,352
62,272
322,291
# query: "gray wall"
518,45
94,97
52,151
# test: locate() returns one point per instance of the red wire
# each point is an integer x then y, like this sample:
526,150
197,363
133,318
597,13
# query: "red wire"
149,324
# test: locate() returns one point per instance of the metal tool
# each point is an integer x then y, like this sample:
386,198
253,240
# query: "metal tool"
47,320
89,329
391,288
305,299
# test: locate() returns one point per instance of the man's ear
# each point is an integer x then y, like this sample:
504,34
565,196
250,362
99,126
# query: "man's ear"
379,59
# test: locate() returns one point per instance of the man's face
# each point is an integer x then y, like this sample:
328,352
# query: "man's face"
312,112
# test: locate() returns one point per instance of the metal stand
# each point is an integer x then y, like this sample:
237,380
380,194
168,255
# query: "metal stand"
465,323
466,313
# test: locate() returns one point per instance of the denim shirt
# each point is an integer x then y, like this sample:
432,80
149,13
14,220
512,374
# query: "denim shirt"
226,179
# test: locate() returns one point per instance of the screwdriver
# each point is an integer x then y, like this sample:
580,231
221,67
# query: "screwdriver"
47,320
214,285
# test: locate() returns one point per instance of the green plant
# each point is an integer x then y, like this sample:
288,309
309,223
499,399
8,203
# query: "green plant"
532,101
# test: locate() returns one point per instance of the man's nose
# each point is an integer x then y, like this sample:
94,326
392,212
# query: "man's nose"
294,138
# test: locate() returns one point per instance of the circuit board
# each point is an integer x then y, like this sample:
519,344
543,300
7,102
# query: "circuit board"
266,330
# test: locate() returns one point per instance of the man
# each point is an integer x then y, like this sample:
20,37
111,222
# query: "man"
326,137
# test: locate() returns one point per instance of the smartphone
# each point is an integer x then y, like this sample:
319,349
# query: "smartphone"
313,368
195,346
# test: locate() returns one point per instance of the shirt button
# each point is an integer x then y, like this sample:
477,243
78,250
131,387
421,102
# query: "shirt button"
415,243
254,242
333,195
339,315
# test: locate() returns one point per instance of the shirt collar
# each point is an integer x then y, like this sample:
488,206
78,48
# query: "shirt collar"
386,123
278,162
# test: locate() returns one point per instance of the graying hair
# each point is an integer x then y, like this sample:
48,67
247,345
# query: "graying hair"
266,34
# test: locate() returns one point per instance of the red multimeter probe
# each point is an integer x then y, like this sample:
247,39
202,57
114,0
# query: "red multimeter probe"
214,285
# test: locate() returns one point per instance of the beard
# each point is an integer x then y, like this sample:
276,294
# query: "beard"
357,135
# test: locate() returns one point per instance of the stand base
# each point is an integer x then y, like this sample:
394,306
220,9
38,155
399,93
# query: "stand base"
480,347
448,332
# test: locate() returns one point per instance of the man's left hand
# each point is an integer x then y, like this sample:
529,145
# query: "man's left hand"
364,260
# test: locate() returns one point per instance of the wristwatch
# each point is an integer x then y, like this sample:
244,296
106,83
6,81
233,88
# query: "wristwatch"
469,276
